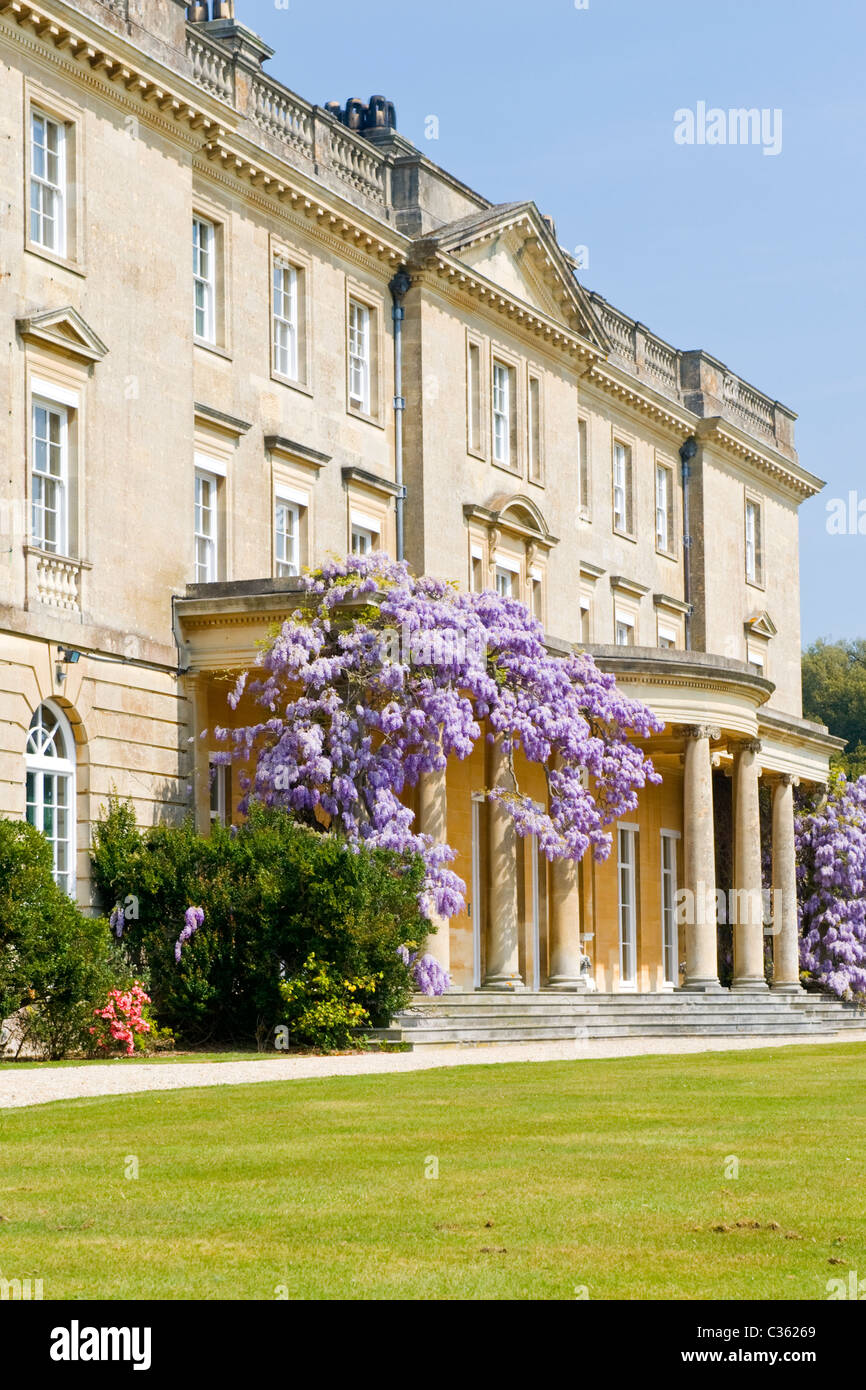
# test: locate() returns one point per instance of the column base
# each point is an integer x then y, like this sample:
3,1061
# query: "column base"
787,989
700,986
574,984
504,983
750,985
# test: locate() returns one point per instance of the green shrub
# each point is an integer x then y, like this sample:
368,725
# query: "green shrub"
55,963
323,1009
273,892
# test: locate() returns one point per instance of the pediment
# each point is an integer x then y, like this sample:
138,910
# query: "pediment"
761,626
514,248
64,330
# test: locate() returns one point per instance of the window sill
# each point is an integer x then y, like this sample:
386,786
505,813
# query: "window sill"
625,535
215,348
666,554
368,419
756,584
477,454
506,468
70,263
292,383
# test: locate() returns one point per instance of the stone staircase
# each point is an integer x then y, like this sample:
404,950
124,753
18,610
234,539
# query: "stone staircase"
479,1018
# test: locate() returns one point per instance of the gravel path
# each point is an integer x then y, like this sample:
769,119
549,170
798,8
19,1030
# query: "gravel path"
35,1087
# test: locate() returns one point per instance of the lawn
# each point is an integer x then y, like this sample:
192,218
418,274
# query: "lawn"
616,1177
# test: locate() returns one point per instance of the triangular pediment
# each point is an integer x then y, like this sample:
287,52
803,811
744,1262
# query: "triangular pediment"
66,330
513,247
761,626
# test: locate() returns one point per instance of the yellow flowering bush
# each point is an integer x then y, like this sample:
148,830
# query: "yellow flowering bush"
324,1008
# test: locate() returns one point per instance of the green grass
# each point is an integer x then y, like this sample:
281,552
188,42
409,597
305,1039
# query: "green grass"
604,1174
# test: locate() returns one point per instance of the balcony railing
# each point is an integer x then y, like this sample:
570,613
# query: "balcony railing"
55,580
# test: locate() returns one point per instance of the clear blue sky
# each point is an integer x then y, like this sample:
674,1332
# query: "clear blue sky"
758,259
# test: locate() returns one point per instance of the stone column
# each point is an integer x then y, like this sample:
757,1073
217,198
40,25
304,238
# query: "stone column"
433,821
746,899
786,934
699,856
200,757
503,968
564,926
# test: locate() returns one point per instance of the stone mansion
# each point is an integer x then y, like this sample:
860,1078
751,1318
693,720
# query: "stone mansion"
243,332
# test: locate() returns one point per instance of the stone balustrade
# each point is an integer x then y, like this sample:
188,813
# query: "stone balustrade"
55,580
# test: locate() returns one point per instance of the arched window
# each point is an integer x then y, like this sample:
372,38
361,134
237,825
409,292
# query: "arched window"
50,760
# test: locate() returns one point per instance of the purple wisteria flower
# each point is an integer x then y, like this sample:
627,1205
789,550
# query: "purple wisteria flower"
428,974
353,720
192,920
117,920
831,874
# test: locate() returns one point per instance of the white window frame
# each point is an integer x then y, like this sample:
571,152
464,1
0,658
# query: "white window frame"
668,887
41,480
754,529
49,192
359,349
625,622
503,412
667,635
621,486
287,540
58,768
204,278
364,539
664,491
284,318
206,541
627,904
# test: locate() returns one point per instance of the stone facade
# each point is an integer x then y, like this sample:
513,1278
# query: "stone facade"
549,445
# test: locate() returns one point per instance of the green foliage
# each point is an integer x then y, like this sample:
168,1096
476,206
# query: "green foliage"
55,963
834,692
323,1009
273,892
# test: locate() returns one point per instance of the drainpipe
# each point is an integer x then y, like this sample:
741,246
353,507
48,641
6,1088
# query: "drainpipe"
398,287
687,453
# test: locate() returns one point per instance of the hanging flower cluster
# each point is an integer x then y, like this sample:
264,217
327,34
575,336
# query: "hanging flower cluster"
831,872
192,920
428,974
120,1020
382,677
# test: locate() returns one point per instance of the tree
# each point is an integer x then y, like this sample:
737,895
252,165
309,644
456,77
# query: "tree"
831,874
379,678
834,692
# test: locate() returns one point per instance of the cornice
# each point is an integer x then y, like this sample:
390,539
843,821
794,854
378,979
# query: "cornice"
279,188
715,430
467,287
112,67
680,422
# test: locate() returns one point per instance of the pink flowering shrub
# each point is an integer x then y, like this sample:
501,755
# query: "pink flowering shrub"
123,1022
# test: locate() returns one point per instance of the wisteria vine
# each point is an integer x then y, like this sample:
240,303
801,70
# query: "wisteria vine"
831,873
380,677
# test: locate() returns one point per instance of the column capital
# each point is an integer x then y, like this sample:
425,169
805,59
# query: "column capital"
748,745
688,731
785,779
